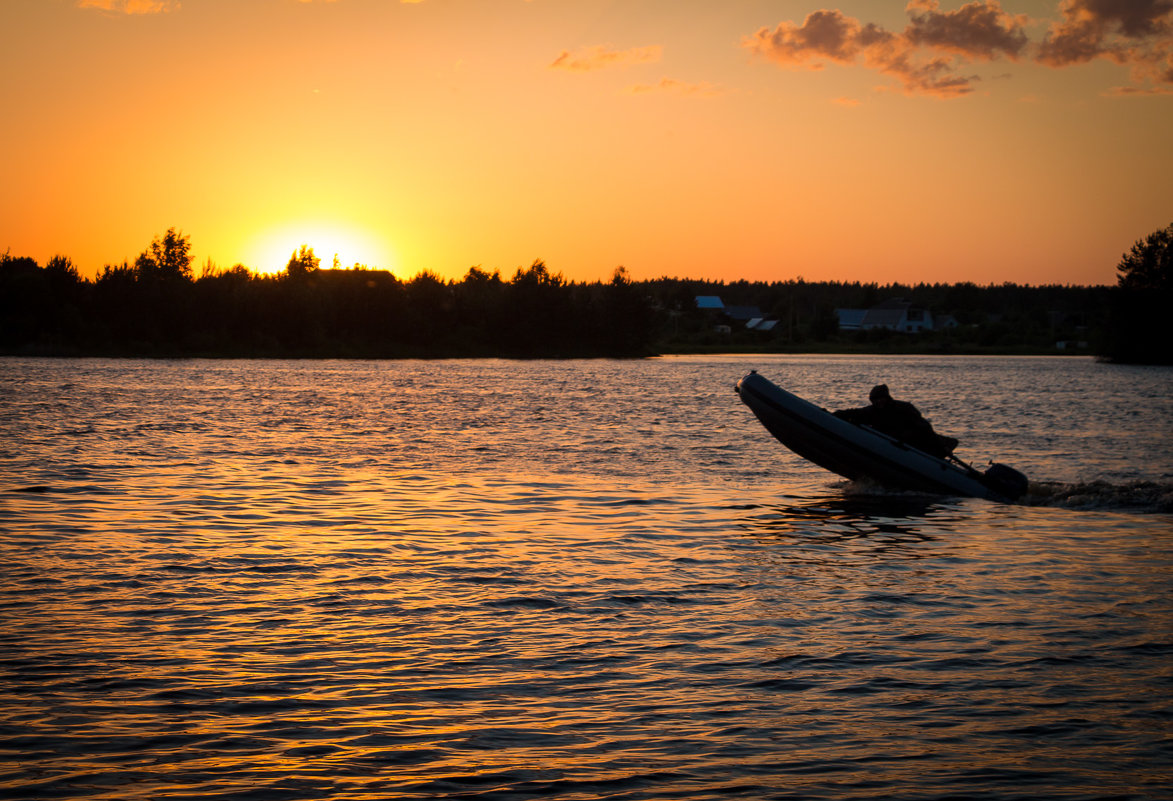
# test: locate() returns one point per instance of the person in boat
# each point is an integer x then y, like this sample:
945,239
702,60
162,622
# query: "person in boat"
899,419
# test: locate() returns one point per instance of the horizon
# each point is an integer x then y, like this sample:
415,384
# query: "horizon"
506,276
919,142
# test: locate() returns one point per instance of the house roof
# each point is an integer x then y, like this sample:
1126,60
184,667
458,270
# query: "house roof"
892,313
709,302
851,318
742,312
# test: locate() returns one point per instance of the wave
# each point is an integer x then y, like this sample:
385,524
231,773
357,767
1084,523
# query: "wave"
1154,497
1133,496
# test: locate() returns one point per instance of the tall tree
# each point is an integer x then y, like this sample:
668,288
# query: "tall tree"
303,262
167,257
1149,265
63,270
1139,330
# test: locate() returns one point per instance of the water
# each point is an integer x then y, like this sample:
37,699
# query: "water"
575,580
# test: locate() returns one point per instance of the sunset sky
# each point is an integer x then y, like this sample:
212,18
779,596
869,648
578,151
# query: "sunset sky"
1027,140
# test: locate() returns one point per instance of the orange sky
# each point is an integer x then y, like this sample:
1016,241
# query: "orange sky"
875,141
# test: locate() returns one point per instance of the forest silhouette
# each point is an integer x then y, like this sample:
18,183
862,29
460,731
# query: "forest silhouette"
158,307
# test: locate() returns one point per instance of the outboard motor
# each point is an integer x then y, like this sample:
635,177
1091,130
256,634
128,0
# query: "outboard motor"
1005,481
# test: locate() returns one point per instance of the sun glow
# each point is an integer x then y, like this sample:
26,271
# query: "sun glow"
336,244
723,146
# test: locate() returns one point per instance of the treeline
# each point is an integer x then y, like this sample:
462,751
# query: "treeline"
1002,318
156,306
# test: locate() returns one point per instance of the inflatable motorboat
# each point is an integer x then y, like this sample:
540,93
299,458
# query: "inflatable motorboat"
859,451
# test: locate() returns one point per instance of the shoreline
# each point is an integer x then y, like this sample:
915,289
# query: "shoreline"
669,349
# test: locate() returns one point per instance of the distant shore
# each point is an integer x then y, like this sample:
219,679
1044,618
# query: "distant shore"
896,349
667,349
156,308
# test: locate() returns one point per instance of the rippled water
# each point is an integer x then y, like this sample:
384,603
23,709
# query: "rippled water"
574,580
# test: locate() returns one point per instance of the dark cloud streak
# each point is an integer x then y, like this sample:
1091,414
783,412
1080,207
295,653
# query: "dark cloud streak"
595,58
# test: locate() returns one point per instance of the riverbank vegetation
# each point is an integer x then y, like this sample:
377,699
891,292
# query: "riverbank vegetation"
158,306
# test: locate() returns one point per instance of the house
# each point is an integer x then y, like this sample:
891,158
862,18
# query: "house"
750,316
894,314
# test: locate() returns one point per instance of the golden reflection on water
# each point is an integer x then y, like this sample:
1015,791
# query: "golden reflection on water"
332,600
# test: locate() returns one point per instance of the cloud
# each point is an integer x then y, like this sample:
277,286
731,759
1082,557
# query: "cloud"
927,57
1134,33
702,89
825,34
977,30
930,55
599,57
131,6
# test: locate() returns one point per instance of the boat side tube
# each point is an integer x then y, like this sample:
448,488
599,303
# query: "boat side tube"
854,451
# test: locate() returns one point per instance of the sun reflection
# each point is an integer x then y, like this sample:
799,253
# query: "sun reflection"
335,243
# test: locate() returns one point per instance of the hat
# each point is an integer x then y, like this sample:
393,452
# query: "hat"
879,391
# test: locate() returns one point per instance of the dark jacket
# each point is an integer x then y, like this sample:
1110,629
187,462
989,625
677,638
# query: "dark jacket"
900,419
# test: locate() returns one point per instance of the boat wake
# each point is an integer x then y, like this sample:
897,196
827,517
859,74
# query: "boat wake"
1134,496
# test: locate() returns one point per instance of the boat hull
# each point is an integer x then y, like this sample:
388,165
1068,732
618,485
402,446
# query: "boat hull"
857,452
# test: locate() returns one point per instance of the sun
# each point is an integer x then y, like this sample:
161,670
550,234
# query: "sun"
337,244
